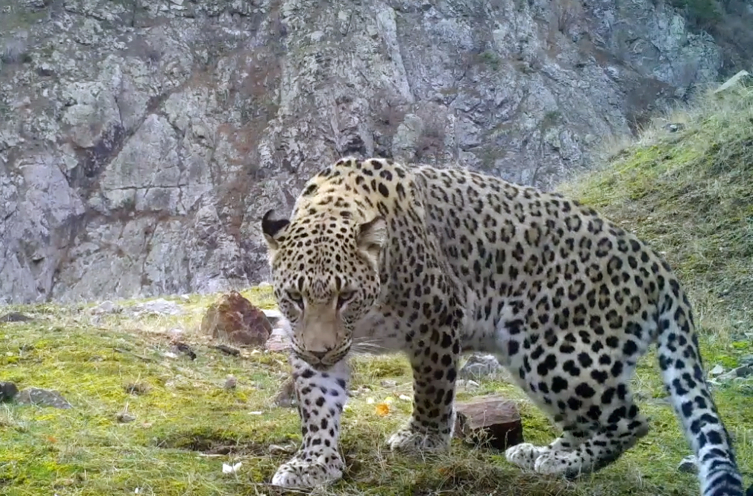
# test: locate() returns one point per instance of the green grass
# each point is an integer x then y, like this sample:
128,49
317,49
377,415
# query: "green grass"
688,193
186,424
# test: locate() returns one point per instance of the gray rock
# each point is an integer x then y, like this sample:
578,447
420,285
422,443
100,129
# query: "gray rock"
673,127
468,385
15,317
742,372
741,78
8,391
42,397
140,147
478,366
159,306
125,417
105,307
717,370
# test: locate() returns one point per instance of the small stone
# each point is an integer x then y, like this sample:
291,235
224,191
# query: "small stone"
466,384
673,127
688,465
354,393
230,382
15,317
717,370
125,417
42,397
492,420
105,307
747,360
389,383
231,469
137,388
237,320
8,391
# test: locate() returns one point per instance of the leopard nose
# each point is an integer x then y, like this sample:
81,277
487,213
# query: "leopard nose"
319,354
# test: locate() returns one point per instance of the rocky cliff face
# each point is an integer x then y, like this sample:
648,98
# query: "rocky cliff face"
142,140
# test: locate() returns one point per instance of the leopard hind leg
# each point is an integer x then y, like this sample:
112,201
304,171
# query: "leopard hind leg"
618,430
588,397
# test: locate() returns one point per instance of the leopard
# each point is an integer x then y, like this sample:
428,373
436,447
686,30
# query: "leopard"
438,261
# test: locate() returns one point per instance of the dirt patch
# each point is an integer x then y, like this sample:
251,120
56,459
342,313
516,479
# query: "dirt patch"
212,444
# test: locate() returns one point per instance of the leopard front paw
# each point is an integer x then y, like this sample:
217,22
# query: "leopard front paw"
524,455
565,463
412,440
309,470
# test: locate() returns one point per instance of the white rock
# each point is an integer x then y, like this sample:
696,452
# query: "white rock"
231,469
159,306
717,370
105,307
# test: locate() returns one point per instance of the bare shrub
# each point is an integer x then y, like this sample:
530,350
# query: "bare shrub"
568,14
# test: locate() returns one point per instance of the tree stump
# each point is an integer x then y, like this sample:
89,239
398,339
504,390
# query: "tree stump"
491,420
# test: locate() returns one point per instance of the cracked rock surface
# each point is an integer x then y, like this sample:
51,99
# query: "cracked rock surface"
141,141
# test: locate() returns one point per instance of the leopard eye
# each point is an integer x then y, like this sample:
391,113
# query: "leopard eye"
296,298
344,298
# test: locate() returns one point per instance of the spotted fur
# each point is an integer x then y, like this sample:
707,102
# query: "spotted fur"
435,262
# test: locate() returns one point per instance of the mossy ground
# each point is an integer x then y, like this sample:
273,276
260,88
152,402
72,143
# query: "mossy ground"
689,194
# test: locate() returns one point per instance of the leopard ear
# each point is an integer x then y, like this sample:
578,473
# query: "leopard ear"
371,237
273,229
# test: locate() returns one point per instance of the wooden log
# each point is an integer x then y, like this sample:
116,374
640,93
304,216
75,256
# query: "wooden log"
490,420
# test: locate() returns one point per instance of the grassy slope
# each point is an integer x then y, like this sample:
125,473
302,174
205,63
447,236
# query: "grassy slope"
689,193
